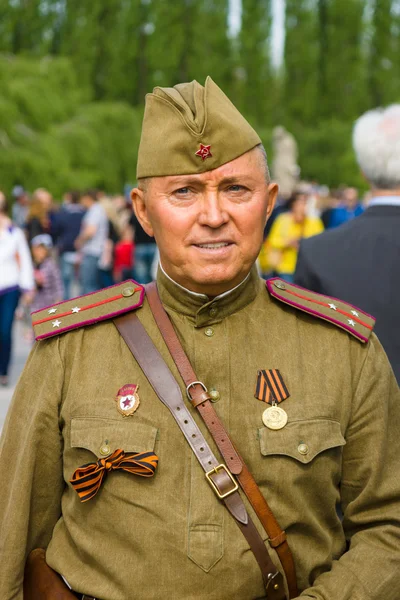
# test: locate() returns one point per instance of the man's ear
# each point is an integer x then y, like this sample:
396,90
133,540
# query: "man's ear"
140,210
273,189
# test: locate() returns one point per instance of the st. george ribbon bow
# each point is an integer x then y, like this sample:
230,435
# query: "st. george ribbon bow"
87,479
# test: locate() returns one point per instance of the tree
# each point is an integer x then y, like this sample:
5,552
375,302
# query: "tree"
301,61
257,92
345,90
190,41
25,25
384,54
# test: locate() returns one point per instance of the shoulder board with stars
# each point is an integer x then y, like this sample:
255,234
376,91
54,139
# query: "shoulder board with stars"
344,315
85,310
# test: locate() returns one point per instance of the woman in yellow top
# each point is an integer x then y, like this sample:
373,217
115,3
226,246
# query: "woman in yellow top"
287,231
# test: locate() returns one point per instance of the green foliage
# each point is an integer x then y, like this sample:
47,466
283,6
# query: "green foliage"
301,58
384,53
256,95
50,138
326,154
73,76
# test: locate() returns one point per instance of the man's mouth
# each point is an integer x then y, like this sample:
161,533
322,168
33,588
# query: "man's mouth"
213,246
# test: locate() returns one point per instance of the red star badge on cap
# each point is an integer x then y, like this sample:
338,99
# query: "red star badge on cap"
204,152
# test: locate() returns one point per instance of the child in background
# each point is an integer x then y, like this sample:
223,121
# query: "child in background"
124,255
49,289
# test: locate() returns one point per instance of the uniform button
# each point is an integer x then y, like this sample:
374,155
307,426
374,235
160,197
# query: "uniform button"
128,291
303,448
213,311
209,332
280,285
105,449
215,395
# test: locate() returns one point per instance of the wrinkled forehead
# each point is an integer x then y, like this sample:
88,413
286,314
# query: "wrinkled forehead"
250,167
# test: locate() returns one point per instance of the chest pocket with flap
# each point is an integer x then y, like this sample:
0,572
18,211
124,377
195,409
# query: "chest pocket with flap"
103,436
301,440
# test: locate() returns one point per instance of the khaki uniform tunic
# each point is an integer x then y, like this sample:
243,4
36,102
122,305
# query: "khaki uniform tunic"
168,536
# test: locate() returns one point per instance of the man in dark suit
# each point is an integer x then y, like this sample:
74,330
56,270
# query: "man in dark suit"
360,260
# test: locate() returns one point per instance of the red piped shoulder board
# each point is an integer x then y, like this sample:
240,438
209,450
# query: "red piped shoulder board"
86,310
344,315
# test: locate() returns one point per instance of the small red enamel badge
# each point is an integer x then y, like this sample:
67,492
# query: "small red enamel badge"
204,152
127,399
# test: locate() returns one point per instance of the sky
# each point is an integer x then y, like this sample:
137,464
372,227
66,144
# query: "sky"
278,26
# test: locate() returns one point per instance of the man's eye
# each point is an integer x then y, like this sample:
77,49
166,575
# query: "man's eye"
182,191
236,188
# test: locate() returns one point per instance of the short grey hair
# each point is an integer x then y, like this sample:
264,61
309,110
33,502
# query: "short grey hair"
376,142
264,159
144,182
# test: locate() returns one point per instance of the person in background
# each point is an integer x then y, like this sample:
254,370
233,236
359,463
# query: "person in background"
123,208
145,252
46,199
49,289
348,209
37,219
287,231
91,240
20,206
16,278
106,262
124,253
360,261
67,225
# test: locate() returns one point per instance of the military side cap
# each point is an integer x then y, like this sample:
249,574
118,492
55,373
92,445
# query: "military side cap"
87,310
191,129
344,315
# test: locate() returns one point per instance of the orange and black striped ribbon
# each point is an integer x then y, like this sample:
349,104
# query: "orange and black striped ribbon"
270,386
87,479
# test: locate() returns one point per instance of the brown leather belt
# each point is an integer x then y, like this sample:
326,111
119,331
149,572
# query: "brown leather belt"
218,475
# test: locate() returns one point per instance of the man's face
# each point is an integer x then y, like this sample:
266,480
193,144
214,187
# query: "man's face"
86,201
350,196
208,227
299,208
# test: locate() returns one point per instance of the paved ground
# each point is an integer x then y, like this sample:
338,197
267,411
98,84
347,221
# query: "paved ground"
21,350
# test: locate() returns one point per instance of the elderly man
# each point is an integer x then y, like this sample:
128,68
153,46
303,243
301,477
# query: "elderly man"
123,459
359,261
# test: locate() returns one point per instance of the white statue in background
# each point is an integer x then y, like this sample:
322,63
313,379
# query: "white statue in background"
285,170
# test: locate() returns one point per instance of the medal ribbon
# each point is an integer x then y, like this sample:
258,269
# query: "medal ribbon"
87,479
270,386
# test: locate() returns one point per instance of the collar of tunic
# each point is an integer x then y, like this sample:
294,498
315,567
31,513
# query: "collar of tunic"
198,307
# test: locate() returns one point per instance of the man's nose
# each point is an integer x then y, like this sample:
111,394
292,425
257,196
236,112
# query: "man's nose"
212,213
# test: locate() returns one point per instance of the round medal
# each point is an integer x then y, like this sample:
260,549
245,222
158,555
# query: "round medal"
274,417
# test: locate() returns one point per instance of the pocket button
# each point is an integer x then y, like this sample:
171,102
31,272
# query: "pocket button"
105,449
303,449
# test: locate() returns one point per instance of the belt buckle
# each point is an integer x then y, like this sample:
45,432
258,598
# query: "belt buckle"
216,490
192,385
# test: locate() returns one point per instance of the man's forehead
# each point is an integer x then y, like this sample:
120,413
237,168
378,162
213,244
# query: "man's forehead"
249,165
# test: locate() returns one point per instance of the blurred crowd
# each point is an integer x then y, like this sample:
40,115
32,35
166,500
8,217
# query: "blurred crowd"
310,210
52,251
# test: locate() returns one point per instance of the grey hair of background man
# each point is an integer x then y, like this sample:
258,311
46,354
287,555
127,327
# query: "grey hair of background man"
376,142
143,183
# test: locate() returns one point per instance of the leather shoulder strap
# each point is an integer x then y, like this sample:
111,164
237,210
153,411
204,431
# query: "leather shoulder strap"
218,475
199,397
87,310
